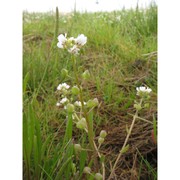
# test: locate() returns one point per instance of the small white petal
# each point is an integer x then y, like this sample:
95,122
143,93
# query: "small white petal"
63,86
58,104
148,90
62,38
59,45
64,100
74,50
77,103
81,40
143,89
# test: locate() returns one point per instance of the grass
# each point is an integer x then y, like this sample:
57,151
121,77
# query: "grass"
118,54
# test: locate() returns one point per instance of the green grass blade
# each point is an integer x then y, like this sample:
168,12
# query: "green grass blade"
155,127
25,81
62,169
68,133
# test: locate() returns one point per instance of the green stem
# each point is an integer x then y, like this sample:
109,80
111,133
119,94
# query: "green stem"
125,142
90,130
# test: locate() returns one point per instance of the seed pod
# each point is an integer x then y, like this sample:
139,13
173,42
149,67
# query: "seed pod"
92,103
70,108
103,134
81,124
98,176
87,170
100,140
64,72
77,147
75,90
137,106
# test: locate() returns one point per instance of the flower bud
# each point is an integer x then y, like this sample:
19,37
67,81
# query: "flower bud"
64,72
103,134
137,106
92,103
65,92
100,140
98,176
87,170
70,108
81,124
77,147
86,75
75,90
96,102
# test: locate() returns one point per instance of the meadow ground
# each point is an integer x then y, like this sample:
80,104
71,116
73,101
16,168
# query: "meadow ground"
120,54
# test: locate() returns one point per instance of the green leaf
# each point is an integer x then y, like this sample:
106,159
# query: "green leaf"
82,160
68,133
90,117
155,127
62,169
25,81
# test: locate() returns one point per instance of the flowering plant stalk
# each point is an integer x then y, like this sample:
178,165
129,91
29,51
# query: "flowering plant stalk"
89,127
143,92
80,109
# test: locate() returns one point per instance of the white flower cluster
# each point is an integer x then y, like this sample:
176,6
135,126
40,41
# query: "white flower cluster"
143,90
79,104
72,44
62,101
63,86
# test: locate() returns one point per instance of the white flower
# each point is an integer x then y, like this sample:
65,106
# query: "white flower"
62,40
58,104
63,86
64,100
78,103
74,50
81,40
143,90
